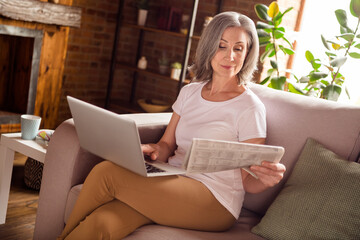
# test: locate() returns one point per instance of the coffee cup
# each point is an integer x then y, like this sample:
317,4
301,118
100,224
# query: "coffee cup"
29,126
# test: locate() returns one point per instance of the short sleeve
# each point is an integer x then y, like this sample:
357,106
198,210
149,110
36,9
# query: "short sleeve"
252,124
178,104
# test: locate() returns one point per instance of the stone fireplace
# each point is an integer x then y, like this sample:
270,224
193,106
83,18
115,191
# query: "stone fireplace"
33,45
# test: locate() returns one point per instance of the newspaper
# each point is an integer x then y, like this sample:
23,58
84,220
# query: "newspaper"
208,155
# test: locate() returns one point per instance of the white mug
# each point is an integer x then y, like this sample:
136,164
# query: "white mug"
29,126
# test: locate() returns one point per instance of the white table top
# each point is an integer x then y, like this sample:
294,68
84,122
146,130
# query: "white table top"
35,149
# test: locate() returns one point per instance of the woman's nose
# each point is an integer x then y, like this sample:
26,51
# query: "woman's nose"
230,55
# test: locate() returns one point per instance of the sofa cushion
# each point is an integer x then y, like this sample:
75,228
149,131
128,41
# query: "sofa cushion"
240,230
319,201
71,200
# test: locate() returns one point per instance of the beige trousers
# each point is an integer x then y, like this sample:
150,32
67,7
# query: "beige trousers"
114,202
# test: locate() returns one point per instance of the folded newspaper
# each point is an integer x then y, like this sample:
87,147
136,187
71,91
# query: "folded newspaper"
208,155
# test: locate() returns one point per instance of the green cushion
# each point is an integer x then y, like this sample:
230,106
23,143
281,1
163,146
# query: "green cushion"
320,200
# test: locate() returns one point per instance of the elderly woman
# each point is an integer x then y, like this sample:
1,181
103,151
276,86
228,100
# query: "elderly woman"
217,105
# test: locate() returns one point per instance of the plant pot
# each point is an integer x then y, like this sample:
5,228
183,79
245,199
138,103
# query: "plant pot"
175,73
163,69
142,14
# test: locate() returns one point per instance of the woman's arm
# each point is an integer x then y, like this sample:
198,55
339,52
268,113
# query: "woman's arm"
269,174
166,146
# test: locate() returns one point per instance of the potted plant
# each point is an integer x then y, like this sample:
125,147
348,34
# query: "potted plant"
163,64
143,6
176,70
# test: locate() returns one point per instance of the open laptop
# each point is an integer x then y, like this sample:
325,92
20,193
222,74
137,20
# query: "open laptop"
114,137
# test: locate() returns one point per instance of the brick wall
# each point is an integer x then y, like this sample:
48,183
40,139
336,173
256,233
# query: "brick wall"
89,49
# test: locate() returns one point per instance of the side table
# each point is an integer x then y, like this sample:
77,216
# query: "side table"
9,144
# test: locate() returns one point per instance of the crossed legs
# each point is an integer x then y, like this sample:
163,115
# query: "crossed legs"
114,202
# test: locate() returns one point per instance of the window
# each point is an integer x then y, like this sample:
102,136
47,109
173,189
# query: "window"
319,18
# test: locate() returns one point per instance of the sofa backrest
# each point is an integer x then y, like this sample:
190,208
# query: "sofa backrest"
291,119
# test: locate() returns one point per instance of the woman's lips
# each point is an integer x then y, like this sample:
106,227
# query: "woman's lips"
226,67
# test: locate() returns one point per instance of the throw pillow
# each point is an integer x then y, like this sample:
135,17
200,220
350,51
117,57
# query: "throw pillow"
320,200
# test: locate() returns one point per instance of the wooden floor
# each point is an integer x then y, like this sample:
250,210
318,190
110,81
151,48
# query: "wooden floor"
23,202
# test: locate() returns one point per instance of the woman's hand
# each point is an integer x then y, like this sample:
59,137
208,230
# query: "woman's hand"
269,174
151,150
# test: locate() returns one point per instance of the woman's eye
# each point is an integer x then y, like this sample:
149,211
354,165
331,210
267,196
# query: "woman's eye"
220,46
239,48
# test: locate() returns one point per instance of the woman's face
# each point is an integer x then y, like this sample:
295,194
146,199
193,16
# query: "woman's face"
230,56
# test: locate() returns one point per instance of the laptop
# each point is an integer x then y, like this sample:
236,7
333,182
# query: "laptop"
114,137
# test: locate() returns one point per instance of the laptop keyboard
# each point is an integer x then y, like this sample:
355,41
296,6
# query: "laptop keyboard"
152,169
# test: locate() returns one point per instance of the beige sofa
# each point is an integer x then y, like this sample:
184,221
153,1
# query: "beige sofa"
291,120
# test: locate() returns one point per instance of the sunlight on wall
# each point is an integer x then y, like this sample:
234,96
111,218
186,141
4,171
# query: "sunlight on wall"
319,18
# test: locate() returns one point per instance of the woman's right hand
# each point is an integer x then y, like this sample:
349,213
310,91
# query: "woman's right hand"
151,150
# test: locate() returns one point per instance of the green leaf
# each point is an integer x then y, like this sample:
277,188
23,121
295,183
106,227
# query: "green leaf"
263,42
291,46
357,46
304,79
261,12
332,92
324,42
270,72
355,8
274,64
317,75
347,36
348,44
261,33
295,89
341,17
264,81
264,55
354,55
286,50
269,46
262,25
278,82
278,34
272,53
316,64
309,56
287,10
330,54
338,62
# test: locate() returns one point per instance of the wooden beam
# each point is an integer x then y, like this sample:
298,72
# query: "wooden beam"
42,12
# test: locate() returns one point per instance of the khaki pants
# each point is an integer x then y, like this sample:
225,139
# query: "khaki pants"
114,202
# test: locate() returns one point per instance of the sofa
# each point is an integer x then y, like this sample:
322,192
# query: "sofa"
291,120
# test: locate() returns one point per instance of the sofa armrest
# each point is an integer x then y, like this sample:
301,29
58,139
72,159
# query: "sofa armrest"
67,165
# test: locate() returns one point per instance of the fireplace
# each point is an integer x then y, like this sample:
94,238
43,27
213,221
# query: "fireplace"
19,68
33,45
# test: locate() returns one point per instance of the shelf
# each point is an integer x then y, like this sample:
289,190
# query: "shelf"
156,30
150,73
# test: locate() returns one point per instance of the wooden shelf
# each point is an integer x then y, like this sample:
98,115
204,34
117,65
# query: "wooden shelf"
156,30
149,72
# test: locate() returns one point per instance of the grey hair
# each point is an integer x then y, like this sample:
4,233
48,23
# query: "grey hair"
209,44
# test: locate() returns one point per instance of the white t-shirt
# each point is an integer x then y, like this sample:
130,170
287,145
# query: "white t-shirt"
237,119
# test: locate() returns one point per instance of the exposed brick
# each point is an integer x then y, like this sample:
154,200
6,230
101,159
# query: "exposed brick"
89,50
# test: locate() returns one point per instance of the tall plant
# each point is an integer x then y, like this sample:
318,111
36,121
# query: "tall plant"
272,37
325,79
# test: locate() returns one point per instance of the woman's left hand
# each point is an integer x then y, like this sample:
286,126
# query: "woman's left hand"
269,173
